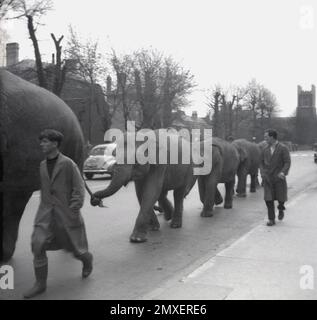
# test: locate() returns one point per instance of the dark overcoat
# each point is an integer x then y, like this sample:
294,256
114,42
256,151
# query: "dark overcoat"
275,188
58,223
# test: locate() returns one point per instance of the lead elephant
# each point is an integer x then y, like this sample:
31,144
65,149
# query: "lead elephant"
152,183
225,161
250,156
25,110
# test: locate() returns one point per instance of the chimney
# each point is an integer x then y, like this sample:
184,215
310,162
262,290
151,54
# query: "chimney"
194,115
12,53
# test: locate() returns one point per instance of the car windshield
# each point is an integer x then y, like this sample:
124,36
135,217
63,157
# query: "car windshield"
97,151
100,151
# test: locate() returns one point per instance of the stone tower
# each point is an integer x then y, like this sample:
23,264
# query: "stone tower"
306,120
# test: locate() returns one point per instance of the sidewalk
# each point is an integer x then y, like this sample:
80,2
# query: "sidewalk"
266,263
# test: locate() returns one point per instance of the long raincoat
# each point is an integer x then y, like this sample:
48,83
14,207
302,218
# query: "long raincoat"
58,223
275,188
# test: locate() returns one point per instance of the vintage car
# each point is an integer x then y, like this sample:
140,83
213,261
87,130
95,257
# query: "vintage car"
100,160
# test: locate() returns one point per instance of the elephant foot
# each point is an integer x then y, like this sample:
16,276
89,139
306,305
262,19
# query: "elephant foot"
206,213
154,226
252,190
167,216
176,224
138,237
218,201
241,195
228,206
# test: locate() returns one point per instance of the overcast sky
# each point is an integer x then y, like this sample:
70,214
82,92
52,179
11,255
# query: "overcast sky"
220,41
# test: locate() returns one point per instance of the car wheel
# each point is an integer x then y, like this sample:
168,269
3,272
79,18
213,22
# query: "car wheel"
89,176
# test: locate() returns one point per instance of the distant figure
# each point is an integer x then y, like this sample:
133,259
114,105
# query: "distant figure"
58,223
275,164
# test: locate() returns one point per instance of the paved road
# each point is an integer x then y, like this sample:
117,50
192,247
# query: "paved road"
123,270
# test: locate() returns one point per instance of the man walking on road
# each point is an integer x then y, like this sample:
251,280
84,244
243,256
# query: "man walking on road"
275,164
58,223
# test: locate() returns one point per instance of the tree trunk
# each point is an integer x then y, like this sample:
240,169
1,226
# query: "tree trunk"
38,60
60,73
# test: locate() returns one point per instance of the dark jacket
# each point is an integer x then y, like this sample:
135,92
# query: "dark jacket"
275,188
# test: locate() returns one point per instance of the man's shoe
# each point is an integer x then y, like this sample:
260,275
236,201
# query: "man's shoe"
37,289
270,223
87,264
281,215
40,284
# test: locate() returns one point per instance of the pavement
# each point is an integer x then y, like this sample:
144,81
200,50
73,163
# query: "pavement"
275,263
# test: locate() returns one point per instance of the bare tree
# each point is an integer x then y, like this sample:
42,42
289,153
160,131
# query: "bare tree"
213,97
162,87
225,107
60,67
123,69
33,12
88,63
6,6
154,84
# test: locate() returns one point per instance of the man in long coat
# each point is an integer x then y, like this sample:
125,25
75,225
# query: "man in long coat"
275,164
58,223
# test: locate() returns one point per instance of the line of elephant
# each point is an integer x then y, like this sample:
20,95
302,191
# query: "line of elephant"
26,109
153,181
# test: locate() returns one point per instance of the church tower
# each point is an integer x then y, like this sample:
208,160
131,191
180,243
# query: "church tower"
306,119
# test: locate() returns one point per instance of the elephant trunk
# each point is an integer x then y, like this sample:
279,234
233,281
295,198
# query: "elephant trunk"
119,179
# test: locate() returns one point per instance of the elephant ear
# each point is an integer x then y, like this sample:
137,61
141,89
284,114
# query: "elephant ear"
242,153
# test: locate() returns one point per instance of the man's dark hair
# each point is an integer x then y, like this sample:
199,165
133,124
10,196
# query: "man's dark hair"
52,135
272,133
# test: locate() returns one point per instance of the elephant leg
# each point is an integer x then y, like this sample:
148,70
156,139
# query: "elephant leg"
151,190
177,217
210,195
14,205
202,188
254,182
229,194
242,182
218,197
166,206
154,224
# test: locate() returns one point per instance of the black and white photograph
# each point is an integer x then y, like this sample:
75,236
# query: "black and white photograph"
158,151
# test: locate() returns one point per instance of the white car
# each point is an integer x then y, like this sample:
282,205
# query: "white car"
100,160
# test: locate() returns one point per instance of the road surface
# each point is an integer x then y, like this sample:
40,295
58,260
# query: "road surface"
123,270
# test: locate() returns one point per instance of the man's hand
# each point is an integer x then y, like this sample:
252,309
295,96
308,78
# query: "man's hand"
281,175
94,201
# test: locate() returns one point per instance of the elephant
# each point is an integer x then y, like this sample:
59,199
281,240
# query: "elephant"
250,157
225,161
152,182
26,110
